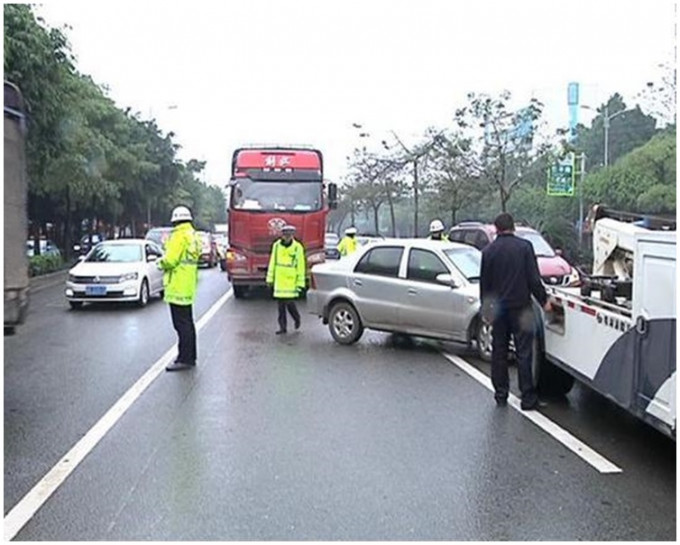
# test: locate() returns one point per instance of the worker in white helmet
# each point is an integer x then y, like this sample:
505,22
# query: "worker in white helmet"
348,244
437,231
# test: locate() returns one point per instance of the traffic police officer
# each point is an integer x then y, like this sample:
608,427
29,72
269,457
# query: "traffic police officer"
437,231
180,280
286,274
348,244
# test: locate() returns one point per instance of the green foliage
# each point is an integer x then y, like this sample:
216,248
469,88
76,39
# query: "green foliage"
87,159
643,181
43,264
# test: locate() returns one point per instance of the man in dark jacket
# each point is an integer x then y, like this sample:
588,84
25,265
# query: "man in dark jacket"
509,277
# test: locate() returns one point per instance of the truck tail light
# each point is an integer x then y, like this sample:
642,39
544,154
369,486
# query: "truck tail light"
234,257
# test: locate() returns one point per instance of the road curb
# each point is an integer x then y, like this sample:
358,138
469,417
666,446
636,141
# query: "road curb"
36,283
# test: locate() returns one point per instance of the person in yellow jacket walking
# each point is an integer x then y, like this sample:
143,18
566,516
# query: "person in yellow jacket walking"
348,244
180,280
286,274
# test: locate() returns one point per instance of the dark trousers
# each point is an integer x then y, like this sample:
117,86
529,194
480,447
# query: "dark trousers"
292,308
520,323
183,322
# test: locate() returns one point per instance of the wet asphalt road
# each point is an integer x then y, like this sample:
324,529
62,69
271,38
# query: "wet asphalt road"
297,438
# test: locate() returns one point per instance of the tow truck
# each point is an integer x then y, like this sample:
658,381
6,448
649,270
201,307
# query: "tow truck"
616,333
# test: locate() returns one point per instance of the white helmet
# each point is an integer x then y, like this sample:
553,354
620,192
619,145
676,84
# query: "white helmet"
180,213
351,231
436,226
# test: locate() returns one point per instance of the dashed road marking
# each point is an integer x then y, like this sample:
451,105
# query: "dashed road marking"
29,505
579,448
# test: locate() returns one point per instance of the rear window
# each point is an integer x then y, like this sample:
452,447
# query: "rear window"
381,261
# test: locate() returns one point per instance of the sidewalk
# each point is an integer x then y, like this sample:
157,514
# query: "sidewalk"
37,283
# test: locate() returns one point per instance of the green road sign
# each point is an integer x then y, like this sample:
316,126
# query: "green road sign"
561,178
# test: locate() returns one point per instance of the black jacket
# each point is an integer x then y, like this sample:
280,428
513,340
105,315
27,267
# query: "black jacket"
509,274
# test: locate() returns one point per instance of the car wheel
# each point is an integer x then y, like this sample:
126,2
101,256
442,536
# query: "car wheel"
344,323
484,338
143,294
75,304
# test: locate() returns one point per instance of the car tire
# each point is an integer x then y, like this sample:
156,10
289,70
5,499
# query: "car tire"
223,265
344,323
548,378
75,305
484,338
143,294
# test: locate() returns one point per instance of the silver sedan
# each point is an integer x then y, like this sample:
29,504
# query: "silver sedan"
116,270
413,286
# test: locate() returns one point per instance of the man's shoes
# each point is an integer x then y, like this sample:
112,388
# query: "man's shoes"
179,366
281,332
297,324
533,406
501,401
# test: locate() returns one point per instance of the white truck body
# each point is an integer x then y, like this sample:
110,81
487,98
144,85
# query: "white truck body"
625,349
15,220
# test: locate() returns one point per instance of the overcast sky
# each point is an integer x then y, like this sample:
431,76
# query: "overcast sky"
224,74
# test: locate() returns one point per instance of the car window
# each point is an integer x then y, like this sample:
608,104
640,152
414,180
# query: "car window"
470,237
115,253
424,266
152,249
381,261
481,240
541,247
457,235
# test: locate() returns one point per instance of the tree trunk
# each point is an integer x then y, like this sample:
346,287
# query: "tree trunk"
415,197
392,219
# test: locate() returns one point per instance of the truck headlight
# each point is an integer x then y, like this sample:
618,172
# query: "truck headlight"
313,259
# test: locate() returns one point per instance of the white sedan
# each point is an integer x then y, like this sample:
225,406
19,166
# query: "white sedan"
116,270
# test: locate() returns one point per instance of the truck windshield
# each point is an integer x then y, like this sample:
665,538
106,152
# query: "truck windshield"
289,196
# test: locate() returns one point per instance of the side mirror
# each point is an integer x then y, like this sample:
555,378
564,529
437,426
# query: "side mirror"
151,257
332,196
447,280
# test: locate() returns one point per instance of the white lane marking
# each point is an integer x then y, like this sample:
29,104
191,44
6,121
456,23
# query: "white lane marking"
579,448
28,506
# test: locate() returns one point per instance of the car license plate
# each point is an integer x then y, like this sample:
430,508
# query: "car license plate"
95,290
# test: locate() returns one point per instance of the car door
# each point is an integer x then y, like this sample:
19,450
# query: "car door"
427,306
154,274
376,285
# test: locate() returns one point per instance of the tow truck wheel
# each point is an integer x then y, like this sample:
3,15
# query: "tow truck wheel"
548,378
240,291
344,323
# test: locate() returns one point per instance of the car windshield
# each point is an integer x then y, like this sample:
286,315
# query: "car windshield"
289,196
541,247
467,260
115,253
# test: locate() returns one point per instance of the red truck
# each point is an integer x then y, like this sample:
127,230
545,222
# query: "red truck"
271,187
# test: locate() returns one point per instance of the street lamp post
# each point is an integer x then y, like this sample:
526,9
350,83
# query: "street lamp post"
607,123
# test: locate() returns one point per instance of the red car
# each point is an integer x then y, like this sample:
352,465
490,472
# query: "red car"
554,269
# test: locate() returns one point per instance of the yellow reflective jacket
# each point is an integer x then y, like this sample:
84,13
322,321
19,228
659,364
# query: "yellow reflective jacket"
348,245
445,238
180,265
286,269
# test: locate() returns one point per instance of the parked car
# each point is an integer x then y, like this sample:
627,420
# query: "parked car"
83,245
208,249
413,286
47,247
331,242
553,268
116,270
367,238
159,235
